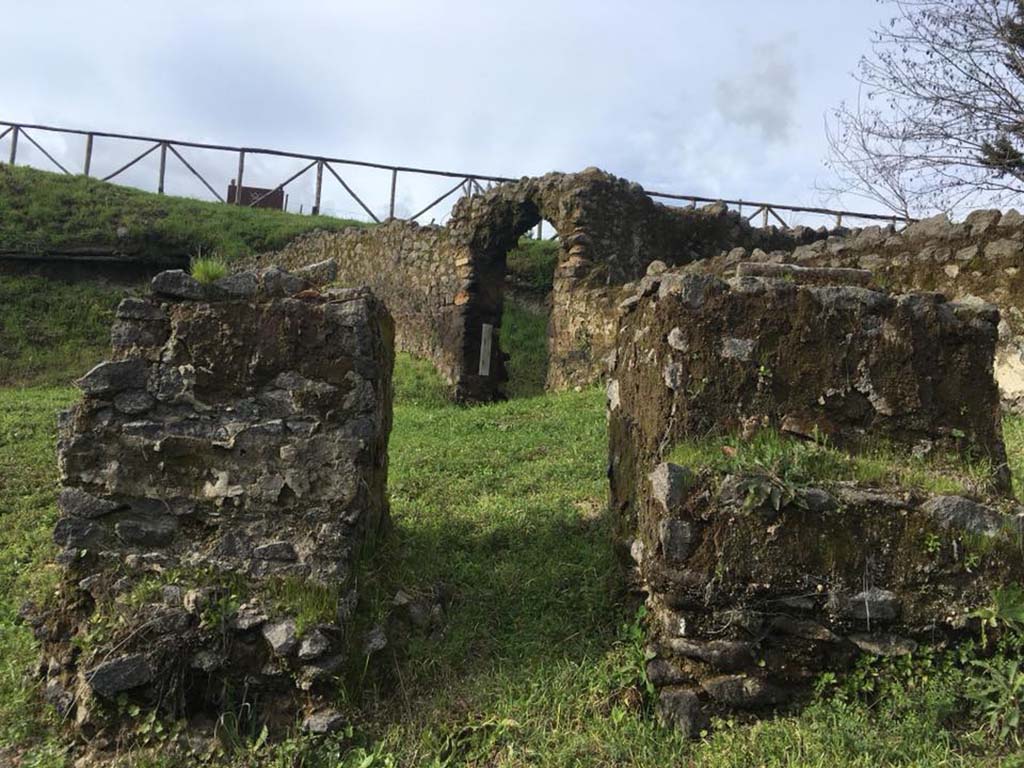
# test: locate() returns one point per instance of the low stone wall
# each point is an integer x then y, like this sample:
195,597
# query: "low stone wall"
223,476
749,603
698,355
445,285
756,584
982,256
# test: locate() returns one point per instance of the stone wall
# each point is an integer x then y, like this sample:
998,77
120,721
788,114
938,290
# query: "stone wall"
698,355
415,270
757,582
749,603
445,285
223,476
982,256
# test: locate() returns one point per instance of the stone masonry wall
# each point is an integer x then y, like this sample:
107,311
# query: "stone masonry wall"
749,603
698,355
756,584
413,269
445,285
982,256
223,476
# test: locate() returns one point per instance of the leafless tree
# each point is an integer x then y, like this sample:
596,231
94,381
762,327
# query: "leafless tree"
939,121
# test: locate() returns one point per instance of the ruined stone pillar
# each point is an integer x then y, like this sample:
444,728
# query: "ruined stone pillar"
223,478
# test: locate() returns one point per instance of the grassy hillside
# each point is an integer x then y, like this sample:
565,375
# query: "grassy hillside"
46,213
43,212
531,265
52,332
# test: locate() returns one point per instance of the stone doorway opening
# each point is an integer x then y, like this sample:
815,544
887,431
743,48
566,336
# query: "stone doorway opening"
525,322
506,319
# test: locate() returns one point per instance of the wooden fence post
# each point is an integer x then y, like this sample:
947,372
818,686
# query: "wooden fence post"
88,154
394,183
163,168
765,218
319,186
238,182
14,144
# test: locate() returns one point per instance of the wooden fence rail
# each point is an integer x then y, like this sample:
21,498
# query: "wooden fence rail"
469,183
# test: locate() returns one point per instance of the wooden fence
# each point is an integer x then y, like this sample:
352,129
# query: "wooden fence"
466,183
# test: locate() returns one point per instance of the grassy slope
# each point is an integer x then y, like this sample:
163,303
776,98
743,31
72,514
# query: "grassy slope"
43,212
52,332
531,265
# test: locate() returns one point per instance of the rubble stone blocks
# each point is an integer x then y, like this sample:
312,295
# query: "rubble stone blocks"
755,587
223,476
445,285
698,354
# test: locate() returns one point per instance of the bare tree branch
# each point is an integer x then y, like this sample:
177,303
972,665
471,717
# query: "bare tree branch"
939,120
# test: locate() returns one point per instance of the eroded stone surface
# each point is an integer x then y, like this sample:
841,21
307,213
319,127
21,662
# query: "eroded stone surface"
974,261
755,584
228,464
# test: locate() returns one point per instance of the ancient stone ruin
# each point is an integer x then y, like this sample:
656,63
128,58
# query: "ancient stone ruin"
981,257
757,581
445,285
223,478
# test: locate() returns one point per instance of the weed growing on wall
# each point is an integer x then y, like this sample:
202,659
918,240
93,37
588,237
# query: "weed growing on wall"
208,269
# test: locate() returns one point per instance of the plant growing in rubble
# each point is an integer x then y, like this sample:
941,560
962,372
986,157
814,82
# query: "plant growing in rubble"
208,269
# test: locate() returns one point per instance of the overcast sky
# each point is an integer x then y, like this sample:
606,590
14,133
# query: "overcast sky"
722,99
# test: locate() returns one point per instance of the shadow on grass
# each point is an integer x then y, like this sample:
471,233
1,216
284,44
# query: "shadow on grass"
503,505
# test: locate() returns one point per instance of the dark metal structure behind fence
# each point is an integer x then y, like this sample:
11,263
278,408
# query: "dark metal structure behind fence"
467,183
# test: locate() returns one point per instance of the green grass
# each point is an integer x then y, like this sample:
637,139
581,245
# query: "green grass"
524,335
800,462
28,488
208,269
307,602
1013,436
44,212
52,332
531,265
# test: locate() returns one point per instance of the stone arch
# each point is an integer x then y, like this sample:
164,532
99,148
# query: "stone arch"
609,230
445,285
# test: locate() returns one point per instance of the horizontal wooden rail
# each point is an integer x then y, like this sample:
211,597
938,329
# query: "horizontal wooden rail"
782,207
468,181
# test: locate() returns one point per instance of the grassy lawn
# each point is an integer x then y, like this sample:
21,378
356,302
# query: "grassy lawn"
42,212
